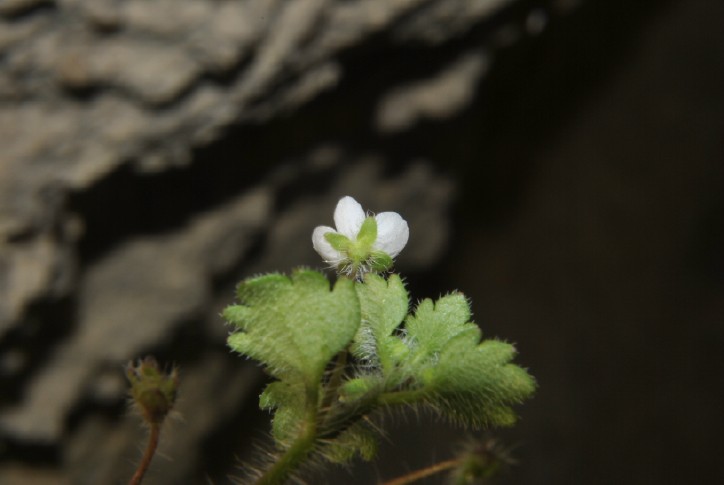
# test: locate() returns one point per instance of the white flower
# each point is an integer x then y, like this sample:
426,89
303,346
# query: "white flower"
356,251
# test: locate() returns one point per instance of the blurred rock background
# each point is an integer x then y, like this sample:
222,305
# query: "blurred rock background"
559,161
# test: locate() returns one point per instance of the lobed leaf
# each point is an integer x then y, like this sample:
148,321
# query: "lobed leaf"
286,399
434,324
447,366
383,306
359,439
476,384
293,325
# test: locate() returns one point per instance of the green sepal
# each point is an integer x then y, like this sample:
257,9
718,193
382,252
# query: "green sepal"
380,261
367,233
338,241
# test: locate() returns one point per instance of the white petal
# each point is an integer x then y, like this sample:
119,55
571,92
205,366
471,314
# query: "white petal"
348,217
392,233
322,246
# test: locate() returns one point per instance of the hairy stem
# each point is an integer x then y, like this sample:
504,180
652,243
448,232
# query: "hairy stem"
147,455
335,380
300,449
400,397
424,472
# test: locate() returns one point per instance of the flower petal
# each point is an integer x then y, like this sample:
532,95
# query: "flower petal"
392,233
322,246
348,217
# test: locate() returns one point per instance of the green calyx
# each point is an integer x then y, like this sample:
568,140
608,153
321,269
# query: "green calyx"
153,391
360,255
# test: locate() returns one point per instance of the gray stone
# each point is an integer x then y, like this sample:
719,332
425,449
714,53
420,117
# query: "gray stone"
132,57
437,98
93,91
131,300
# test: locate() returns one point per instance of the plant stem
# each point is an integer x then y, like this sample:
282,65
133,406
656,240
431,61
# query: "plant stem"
299,450
335,380
424,472
400,397
147,455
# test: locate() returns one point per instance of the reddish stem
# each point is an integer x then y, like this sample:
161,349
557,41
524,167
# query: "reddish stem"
147,455
424,472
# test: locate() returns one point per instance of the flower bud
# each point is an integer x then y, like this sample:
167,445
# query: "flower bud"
153,390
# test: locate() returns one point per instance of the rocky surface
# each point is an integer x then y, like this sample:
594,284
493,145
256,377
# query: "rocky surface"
114,83
104,106
90,90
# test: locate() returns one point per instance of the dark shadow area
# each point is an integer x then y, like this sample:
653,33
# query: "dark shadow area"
236,444
24,352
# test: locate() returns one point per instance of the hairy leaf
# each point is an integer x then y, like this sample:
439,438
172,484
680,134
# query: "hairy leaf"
448,367
294,325
359,439
383,306
286,399
475,384
434,324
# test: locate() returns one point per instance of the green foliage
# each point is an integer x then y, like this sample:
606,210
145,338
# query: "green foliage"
433,358
285,398
358,439
475,384
469,382
434,324
294,325
383,306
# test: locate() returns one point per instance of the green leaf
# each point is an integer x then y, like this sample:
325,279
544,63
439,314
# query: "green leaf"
475,384
360,393
294,325
383,306
434,324
286,398
355,389
358,439
448,368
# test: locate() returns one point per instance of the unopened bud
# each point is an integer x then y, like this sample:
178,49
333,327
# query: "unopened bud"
153,390
480,460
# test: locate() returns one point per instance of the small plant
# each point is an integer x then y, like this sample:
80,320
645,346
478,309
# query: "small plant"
153,393
341,353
